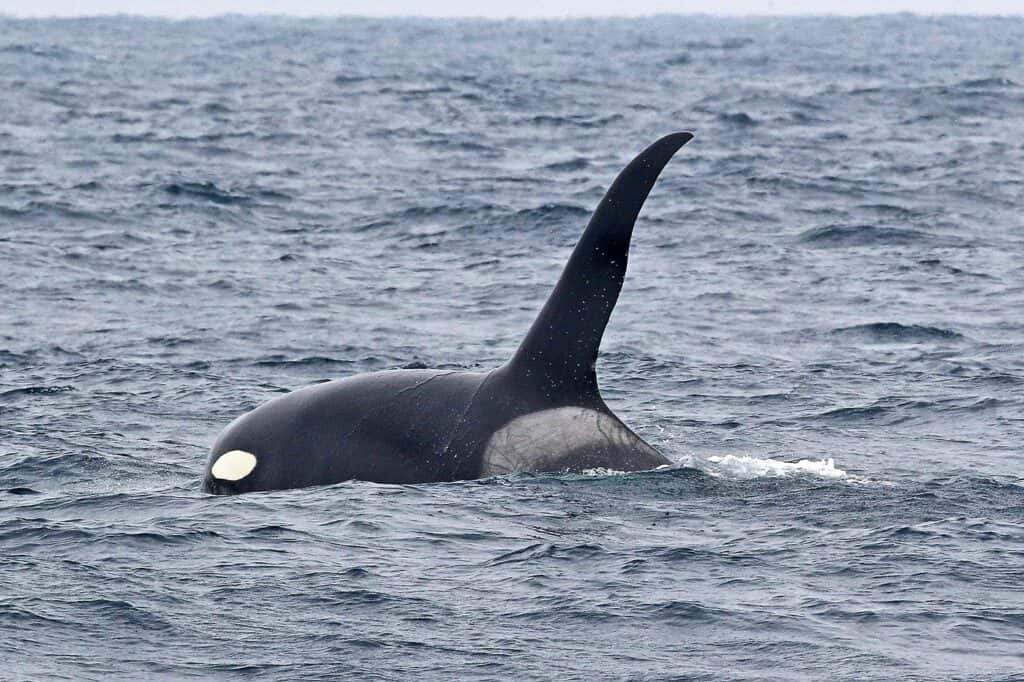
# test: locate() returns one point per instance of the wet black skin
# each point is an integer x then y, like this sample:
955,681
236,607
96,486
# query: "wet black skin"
413,426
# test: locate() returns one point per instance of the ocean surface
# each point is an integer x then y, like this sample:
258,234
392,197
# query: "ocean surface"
823,325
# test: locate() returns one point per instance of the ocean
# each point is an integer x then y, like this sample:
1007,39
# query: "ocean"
821,326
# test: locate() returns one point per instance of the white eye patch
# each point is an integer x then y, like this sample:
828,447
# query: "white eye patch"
233,465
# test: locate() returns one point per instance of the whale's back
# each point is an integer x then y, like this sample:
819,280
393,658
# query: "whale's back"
389,427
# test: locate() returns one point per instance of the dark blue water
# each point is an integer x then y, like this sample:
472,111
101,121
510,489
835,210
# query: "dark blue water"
822,325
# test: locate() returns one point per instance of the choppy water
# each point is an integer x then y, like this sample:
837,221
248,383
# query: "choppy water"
821,324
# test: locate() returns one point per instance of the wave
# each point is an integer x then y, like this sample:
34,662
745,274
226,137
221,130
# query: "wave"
23,490
724,44
554,212
863,235
888,411
61,209
113,611
311,361
576,164
967,87
679,612
37,50
344,80
580,120
539,551
739,118
951,269
894,332
985,83
9,358
205,190
450,144
35,390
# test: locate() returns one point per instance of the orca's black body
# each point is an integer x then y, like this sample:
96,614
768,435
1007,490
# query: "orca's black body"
540,412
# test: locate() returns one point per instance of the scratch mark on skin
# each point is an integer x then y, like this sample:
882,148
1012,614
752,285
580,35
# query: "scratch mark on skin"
388,403
462,417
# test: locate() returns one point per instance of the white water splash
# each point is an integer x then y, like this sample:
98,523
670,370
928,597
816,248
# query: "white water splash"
746,468
602,471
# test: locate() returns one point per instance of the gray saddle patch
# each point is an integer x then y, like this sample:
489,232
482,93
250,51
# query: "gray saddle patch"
560,439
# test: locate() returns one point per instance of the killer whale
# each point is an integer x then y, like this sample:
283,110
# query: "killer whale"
541,411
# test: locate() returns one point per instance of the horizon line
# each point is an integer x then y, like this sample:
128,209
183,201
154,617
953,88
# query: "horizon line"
508,17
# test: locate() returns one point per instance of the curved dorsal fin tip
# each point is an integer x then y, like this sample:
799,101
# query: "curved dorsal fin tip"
561,346
684,135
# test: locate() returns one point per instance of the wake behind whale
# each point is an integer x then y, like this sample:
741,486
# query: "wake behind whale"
541,411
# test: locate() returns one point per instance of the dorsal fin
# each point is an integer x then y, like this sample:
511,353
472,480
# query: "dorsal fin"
561,346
